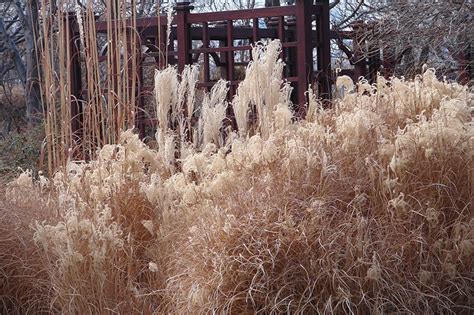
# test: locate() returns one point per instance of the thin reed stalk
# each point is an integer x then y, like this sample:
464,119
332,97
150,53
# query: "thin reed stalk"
109,106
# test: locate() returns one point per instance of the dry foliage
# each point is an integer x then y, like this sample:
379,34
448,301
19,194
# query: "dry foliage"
98,117
364,207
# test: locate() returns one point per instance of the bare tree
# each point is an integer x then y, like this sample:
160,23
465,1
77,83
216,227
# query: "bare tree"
409,34
18,30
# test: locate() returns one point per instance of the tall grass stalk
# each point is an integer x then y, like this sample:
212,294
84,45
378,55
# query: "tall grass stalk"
109,105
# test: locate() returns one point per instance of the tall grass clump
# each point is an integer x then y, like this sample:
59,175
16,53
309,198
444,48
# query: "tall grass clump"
364,207
76,125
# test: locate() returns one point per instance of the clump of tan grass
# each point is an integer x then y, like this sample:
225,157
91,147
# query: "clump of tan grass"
365,207
76,125
24,274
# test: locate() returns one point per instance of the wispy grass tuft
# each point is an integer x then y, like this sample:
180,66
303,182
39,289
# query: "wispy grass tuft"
365,207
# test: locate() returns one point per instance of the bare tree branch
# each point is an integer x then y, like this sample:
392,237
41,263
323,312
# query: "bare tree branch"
13,50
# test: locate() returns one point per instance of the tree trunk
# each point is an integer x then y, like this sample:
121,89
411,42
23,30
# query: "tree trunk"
29,24
33,91
13,50
409,60
423,59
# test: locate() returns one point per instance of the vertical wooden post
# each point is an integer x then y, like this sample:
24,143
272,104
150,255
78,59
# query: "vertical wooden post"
205,44
230,55
255,35
255,28
222,60
161,41
183,8
230,70
324,51
304,50
281,37
291,62
75,77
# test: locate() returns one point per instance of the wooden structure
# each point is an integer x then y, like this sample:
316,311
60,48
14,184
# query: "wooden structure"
218,37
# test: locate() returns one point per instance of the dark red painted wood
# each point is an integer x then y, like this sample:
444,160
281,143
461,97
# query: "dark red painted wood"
183,36
205,45
242,14
304,51
324,51
255,30
72,39
230,53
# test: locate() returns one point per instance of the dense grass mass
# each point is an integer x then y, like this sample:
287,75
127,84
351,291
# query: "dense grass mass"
363,207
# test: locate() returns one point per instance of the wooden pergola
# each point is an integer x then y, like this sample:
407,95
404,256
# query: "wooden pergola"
303,30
